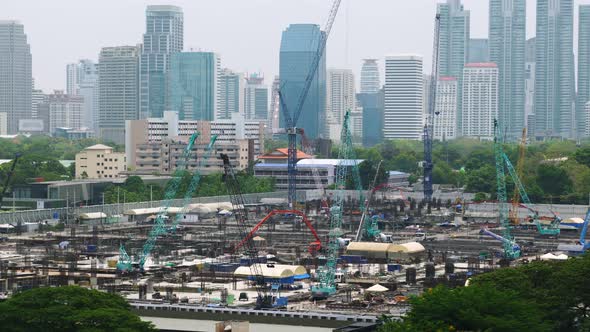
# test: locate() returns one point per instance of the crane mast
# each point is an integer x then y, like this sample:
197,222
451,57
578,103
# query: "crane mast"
519,172
429,126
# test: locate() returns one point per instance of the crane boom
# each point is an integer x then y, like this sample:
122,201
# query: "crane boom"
429,125
291,119
519,172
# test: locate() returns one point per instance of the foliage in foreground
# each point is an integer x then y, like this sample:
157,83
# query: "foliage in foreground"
69,309
540,296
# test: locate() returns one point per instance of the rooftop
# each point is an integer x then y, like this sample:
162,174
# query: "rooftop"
99,147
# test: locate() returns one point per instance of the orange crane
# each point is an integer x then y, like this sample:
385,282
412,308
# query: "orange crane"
513,215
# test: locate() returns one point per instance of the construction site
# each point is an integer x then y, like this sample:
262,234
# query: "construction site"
341,257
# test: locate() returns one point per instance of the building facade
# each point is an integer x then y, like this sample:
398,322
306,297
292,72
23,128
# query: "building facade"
16,80
554,69
118,70
164,36
453,43
98,162
507,49
64,110
340,99
480,100
583,96
299,45
529,86
370,77
445,113
479,50
403,97
231,94
193,89
256,99
275,104
372,107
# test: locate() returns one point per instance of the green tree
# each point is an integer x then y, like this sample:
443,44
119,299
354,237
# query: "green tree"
69,309
582,156
553,180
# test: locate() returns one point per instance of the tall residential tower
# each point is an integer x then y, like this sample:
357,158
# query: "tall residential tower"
583,71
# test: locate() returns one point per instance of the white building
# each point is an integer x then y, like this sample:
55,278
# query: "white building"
256,99
340,97
370,82
356,125
445,113
586,117
98,162
237,128
480,100
64,110
404,85
231,94
3,123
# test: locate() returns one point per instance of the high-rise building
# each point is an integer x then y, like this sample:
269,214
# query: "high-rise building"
118,73
529,86
256,99
583,69
16,84
453,43
403,110
479,50
554,69
507,49
299,45
231,94
372,106
65,111
193,88
586,121
340,98
370,80
164,35
480,100
82,79
275,104
445,113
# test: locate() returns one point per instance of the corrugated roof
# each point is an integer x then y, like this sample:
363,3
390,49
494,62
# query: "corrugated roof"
156,210
93,215
410,247
98,147
278,271
368,246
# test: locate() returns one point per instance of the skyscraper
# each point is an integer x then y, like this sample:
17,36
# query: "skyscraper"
231,94
583,70
507,49
82,79
275,104
65,111
163,38
445,118
372,105
118,72
72,79
480,100
340,98
256,99
479,50
453,43
299,45
16,84
554,73
193,88
529,86
404,84
370,81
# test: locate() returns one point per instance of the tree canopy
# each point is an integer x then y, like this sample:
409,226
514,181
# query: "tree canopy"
69,308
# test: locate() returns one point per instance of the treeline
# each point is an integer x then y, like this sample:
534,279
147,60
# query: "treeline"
135,190
540,296
554,172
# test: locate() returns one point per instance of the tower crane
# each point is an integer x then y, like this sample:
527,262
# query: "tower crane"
291,119
429,126
326,285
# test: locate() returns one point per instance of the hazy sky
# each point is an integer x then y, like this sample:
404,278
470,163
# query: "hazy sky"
246,33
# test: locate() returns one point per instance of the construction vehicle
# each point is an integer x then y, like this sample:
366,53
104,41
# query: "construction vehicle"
9,177
429,125
510,250
505,241
240,214
553,228
291,119
581,245
326,285
369,229
160,228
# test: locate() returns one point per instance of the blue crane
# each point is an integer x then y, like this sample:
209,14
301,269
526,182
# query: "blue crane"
291,119
581,245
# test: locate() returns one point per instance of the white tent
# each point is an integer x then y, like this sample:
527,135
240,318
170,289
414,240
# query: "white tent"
377,289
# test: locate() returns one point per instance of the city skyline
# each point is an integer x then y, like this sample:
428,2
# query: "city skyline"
127,26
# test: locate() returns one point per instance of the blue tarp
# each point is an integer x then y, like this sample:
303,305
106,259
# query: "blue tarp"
301,276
